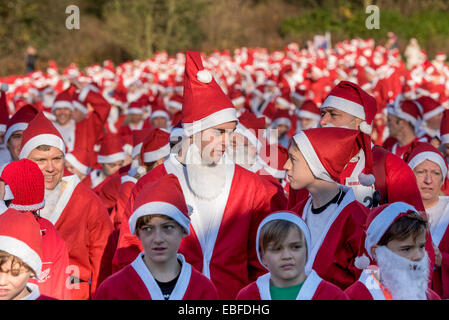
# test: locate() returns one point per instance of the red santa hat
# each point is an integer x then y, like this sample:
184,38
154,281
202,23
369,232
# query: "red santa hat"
162,197
26,183
274,158
135,107
251,127
281,117
444,128
175,102
40,131
284,100
160,111
285,216
64,99
77,104
299,94
138,136
205,103
407,110
80,159
4,113
237,97
309,110
328,151
423,151
430,107
155,146
350,98
111,149
20,235
377,223
20,120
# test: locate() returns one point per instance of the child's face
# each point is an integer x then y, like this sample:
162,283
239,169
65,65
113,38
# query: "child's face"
13,282
286,262
298,171
160,239
412,249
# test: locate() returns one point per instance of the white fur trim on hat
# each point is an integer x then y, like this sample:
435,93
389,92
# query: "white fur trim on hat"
157,154
214,119
366,179
204,76
348,106
85,91
23,251
431,156
160,113
175,104
77,164
135,111
31,207
15,127
308,115
241,129
2,127
80,107
382,222
158,207
365,128
136,150
111,157
433,113
283,102
281,121
62,104
444,138
405,116
288,216
311,157
238,100
42,139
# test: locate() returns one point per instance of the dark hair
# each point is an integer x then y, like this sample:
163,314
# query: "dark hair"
413,224
43,147
147,218
16,264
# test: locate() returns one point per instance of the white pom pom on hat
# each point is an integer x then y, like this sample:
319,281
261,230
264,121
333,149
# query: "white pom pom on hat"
366,128
204,76
366,179
362,262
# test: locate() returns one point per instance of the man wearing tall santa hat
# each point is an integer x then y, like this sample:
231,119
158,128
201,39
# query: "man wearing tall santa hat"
228,201
76,212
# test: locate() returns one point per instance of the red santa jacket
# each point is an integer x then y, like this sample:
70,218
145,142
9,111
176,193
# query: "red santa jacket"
55,260
135,282
334,254
314,288
440,277
84,224
232,260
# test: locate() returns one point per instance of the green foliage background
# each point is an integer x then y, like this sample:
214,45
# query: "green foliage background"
123,30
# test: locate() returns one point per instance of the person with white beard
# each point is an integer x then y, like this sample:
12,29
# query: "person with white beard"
228,201
398,264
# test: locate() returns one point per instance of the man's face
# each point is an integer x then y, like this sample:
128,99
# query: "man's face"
242,151
429,179
135,118
159,122
332,117
77,115
13,144
73,170
306,123
394,125
63,115
51,163
410,248
215,140
111,168
282,130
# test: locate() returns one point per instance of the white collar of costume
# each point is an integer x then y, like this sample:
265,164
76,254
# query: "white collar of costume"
348,198
173,166
96,177
368,280
307,291
34,294
71,183
153,288
437,231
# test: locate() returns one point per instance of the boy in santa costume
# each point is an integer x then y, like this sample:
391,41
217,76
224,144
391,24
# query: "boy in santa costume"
395,240
333,215
20,256
284,244
229,201
74,209
26,184
431,169
160,221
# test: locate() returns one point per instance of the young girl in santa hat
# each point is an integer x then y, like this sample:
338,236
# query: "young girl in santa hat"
395,241
335,219
283,244
160,221
20,256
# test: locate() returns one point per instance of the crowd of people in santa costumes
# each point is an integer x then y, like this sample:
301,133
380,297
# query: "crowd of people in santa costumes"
297,174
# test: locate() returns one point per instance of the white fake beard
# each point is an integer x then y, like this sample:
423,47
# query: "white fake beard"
405,279
242,157
330,125
206,180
